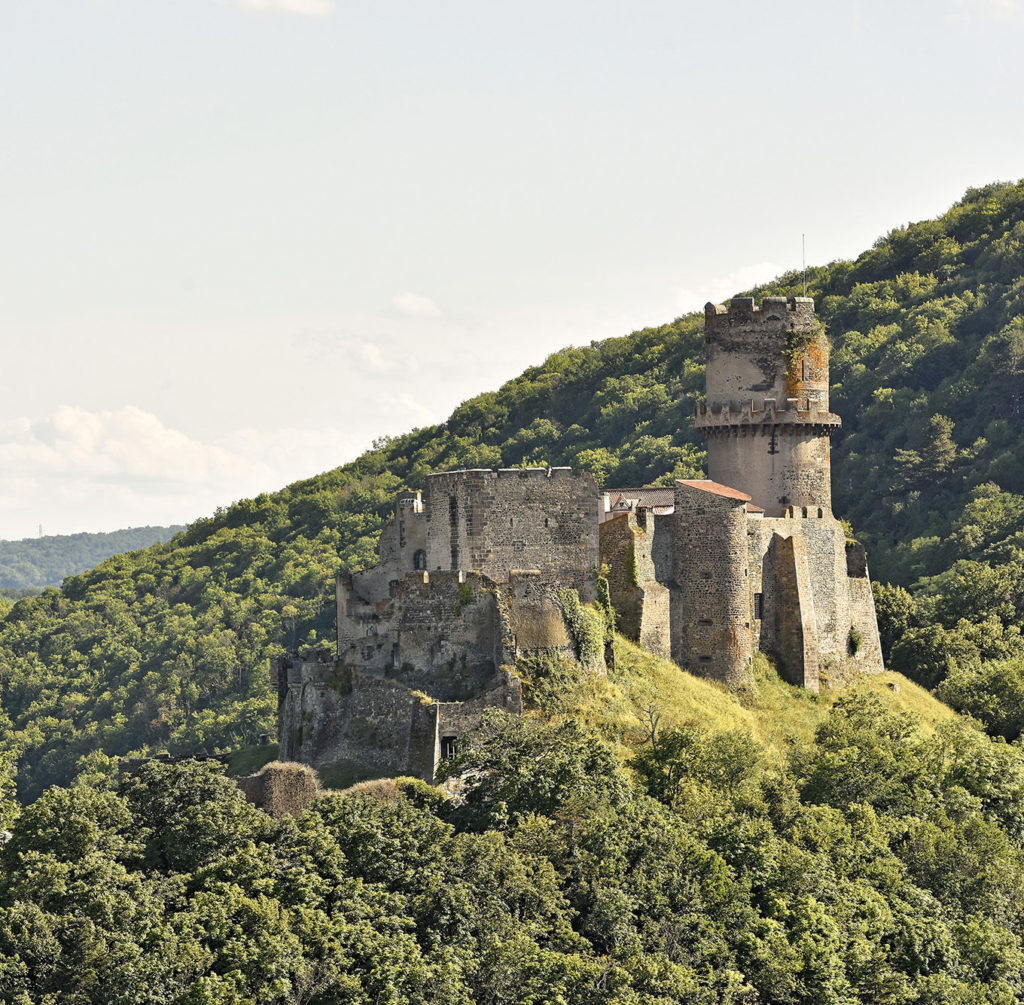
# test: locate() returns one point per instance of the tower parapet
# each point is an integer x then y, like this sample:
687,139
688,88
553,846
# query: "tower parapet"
766,414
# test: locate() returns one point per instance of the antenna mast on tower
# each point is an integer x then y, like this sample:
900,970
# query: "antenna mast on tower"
803,242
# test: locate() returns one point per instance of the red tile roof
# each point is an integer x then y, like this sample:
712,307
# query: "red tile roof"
648,495
705,485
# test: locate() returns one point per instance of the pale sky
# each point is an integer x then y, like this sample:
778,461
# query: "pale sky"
241,239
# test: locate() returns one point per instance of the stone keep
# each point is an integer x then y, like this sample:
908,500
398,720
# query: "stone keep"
766,415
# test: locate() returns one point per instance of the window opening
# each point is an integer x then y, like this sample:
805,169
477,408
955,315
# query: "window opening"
449,748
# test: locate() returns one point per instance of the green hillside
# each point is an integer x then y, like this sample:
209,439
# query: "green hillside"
879,860
775,716
167,647
643,837
37,562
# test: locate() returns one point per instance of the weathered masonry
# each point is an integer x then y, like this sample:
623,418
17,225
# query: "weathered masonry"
473,568
467,583
753,557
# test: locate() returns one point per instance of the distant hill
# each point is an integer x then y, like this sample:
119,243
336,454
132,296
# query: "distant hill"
34,563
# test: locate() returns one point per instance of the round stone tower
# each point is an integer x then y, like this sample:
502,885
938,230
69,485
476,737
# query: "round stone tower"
766,415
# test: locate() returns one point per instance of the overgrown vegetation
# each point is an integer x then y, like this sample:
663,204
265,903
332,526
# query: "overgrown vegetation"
587,627
878,863
657,839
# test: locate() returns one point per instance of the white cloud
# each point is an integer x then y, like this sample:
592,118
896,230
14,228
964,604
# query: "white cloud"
80,470
721,287
308,8
364,355
414,305
1001,10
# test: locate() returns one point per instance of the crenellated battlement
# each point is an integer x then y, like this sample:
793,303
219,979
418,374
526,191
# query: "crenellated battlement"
792,311
766,412
484,474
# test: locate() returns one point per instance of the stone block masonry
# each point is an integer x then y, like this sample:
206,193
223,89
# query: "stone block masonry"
766,411
493,522
710,611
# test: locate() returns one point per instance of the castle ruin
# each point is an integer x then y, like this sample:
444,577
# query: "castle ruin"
473,570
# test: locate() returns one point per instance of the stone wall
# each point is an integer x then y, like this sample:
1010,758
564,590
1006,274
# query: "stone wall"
281,789
861,603
796,643
330,714
618,555
531,609
839,589
436,632
636,548
778,464
711,615
749,351
766,414
401,550
493,522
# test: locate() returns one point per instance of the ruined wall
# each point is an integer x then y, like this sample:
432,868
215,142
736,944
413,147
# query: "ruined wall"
496,521
281,789
439,633
711,616
839,587
402,549
636,548
331,714
861,604
530,607
618,554
335,715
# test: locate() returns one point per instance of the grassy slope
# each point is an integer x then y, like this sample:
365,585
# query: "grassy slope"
778,715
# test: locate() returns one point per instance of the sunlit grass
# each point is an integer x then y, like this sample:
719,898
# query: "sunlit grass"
777,714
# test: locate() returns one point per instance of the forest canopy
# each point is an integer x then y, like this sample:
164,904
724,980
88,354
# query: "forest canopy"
33,563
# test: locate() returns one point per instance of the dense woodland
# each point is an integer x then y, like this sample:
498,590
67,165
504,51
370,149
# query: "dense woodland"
878,862
29,565
877,866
